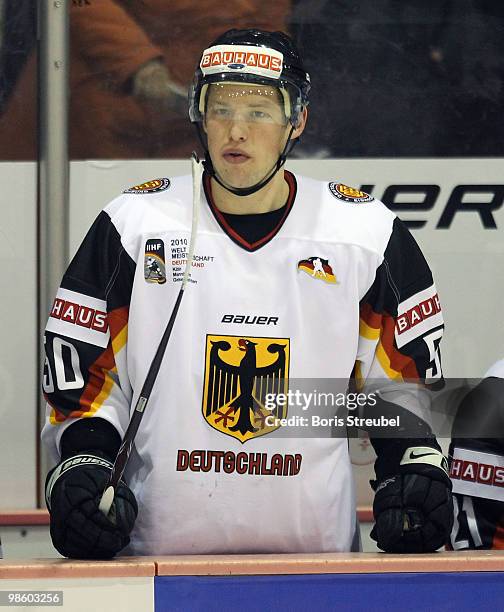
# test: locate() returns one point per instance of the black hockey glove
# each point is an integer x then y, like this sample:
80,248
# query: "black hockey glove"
413,509
79,530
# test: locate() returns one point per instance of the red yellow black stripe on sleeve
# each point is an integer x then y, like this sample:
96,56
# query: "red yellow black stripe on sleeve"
97,376
381,329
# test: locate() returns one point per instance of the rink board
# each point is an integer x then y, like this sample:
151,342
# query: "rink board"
393,592
358,581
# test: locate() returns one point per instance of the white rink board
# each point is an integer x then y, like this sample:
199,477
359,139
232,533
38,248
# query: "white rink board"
18,334
467,259
135,594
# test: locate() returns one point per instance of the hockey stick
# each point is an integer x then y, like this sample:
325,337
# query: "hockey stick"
141,403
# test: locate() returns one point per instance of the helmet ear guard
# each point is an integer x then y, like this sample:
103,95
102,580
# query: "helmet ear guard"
294,104
286,102
202,99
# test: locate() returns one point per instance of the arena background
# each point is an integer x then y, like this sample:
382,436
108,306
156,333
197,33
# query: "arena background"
407,103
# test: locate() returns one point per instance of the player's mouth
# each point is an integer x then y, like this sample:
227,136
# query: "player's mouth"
235,156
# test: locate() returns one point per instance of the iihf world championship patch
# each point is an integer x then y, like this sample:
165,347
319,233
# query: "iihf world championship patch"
241,377
318,268
154,186
154,261
349,194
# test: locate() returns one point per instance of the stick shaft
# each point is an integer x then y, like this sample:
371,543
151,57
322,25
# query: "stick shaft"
129,437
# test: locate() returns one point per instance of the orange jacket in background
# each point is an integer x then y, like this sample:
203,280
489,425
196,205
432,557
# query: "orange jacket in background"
110,40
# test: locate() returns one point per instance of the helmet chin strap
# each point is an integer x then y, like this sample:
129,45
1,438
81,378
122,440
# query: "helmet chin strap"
245,191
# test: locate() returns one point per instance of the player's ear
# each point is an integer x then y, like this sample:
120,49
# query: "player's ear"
301,124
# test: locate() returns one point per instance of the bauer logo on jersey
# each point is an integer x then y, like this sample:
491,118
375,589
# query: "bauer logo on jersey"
349,194
242,58
239,373
154,186
318,268
154,261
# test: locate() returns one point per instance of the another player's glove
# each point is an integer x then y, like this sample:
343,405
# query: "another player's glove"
413,509
79,530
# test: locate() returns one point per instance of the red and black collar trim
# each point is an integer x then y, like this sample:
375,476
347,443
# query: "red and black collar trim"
235,236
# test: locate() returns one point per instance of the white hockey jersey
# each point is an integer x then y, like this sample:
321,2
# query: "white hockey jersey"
338,288
496,370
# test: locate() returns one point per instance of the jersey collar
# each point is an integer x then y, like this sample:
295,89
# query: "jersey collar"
235,236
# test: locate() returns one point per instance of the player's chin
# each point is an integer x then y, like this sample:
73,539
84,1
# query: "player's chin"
239,179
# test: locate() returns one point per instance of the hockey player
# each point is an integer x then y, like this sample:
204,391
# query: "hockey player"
207,473
477,465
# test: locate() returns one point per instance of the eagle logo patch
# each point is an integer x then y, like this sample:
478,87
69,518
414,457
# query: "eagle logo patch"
349,194
318,268
240,372
154,186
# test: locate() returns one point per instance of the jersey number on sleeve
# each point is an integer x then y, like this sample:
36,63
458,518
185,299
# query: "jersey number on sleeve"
67,370
432,340
464,525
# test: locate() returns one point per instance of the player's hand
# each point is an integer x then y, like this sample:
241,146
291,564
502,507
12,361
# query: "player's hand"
413,510
152,84
79,530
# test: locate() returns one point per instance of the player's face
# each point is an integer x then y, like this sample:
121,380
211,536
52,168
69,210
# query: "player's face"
246,130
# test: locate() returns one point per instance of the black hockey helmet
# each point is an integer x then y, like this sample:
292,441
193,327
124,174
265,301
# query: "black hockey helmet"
252,56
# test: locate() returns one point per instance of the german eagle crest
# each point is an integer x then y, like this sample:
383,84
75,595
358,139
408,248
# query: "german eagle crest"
240,372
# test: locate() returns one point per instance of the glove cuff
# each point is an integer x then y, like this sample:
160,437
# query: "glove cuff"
81,460
425,460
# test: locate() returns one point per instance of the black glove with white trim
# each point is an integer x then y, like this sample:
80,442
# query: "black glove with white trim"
413,508
79,530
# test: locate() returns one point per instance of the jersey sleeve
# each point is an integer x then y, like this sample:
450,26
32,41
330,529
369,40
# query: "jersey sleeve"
85,371
401,326
477,467
478,523
401,323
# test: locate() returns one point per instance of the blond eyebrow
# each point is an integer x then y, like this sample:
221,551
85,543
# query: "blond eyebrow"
263,101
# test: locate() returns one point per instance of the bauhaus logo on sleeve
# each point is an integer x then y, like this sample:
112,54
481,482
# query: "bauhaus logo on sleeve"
418,315
477,474
79,316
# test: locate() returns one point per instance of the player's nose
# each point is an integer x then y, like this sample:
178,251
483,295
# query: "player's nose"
238,130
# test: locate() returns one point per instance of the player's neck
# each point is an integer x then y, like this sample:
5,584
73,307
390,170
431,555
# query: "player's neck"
271,197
